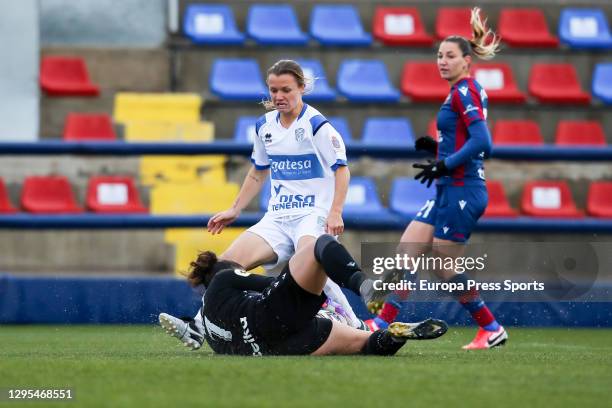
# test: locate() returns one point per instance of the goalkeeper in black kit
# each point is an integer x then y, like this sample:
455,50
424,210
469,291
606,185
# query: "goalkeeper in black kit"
245,314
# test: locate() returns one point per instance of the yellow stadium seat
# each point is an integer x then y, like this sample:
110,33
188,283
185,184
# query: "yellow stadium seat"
192,198
158,131
189,242
168,107
182,169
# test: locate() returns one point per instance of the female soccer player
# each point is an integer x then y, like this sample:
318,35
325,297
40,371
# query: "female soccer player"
461,194
246,314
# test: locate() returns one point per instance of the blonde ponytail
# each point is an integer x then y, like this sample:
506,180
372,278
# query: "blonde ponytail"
484,42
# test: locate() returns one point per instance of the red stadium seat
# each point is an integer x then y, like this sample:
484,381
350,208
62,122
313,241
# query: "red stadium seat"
556,83
5,204
498,82
498,202
579,132
113,194
400,26
89,126
517,132
66,76
50,195
453,21
432,128
599,199
421,81
525,27
548,199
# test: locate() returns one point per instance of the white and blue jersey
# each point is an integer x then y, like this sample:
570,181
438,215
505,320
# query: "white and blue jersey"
302,160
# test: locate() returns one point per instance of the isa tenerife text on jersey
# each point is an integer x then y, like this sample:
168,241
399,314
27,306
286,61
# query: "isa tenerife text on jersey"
302,160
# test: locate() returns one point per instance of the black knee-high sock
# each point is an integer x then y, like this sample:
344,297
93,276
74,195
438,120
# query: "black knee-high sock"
338,264
380,343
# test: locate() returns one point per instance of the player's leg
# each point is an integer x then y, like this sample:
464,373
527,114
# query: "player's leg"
249,250
454,225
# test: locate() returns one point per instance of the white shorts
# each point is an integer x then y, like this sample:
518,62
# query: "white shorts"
284,233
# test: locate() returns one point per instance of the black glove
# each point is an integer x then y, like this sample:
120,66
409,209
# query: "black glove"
431,171
426,143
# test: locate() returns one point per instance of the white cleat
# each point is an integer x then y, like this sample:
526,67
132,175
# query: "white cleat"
183,330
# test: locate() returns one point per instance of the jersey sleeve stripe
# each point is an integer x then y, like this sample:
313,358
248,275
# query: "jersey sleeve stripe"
259,166
339,163
316,122
260,122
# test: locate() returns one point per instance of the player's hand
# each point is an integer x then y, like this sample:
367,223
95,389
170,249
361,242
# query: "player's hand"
217,222
427,143
334,225
431,171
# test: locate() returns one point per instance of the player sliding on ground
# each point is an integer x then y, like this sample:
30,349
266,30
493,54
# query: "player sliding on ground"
248,314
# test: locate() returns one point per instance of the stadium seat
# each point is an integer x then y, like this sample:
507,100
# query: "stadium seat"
48,195
421,81
192,198
556,83
525,27
579,132
400,26
5,204
548,199
498,82
362,198
453,21
602,82
498,205
113,194
432,128
244,131
341,125
182,169
517,132
599,199
189,242
365,81
263,25
89,127
166,107
408,196
584,28
318,90
338,25
161,131
211,24
66,76
237,79
388,132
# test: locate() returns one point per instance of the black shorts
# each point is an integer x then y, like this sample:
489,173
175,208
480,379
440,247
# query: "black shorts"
286,317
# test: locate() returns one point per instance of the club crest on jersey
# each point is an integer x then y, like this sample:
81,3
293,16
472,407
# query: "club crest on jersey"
268,138
299,134
335,142
463,90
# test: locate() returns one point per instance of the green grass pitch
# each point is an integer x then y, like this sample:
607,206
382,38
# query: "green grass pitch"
140,366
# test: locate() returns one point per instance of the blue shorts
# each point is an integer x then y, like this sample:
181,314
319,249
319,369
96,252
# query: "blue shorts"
455,211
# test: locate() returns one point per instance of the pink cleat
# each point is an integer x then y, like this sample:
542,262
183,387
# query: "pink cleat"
487,339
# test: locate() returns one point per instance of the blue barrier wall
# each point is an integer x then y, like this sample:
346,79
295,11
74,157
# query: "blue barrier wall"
69,300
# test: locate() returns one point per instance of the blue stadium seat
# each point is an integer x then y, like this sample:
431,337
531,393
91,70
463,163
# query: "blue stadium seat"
237,79
275,24
244,132
341,125
211,24
602,82
408,196
338,25
388,132
584,28
362,198
322,92
366,81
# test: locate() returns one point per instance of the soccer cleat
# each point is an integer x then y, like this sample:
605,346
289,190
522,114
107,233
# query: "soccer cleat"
487,339
425,330
183,329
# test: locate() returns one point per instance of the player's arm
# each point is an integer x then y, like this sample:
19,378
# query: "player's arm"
335,225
